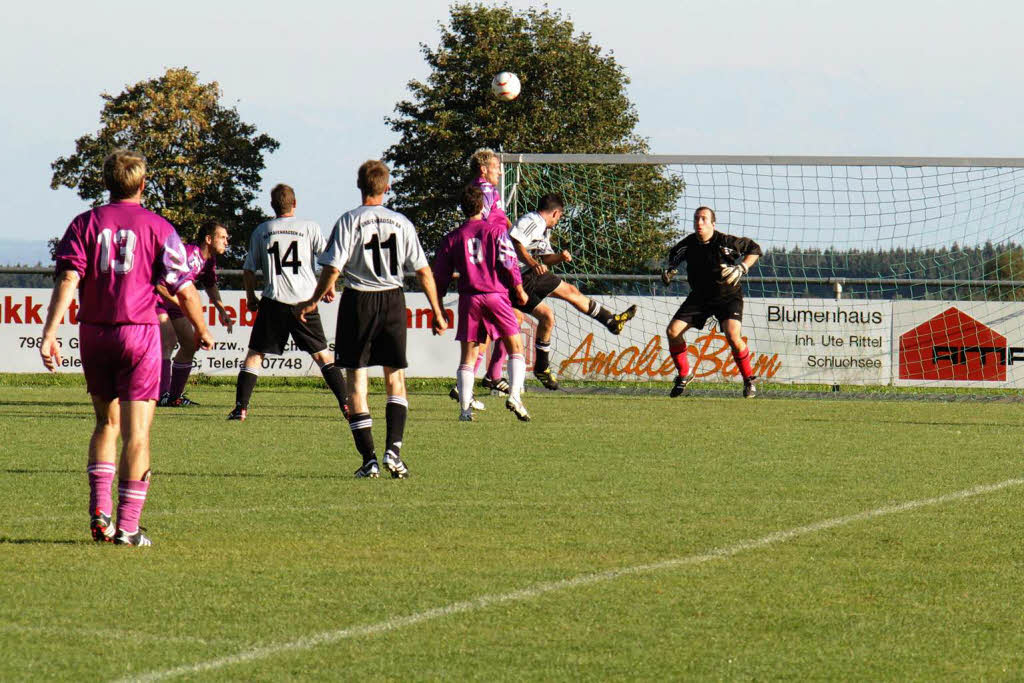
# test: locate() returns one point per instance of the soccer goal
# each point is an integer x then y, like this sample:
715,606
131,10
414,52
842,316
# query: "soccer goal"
877,272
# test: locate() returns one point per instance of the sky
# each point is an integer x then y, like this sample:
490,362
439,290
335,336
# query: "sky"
904,78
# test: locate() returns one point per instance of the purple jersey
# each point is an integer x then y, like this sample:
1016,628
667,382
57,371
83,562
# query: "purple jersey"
121,251
483,255
494,207
204,271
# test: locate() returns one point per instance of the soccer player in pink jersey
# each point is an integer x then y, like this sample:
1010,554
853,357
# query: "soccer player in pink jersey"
483,255
115,254
175,329
485,173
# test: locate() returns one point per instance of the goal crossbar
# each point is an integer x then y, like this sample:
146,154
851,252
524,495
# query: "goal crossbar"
760,160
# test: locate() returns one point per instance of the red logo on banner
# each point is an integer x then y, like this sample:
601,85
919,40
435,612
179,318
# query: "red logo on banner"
953,346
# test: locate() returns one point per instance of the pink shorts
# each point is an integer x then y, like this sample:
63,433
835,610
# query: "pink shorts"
172,311
121,361
486,315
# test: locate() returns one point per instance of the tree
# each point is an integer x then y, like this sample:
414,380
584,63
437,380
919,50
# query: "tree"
573,101
203,161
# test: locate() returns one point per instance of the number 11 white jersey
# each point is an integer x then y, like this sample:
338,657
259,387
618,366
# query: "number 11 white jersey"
285,250
373,246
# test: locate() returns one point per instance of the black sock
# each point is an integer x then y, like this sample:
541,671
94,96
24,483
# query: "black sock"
599,313
244,386
362,433
336,381
541,351
396,410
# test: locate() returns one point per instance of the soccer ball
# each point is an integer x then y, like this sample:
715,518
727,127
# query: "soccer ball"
505,86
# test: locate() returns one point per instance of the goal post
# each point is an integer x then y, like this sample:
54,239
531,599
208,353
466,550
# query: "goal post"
877,271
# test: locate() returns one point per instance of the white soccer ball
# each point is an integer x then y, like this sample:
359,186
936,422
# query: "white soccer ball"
505,86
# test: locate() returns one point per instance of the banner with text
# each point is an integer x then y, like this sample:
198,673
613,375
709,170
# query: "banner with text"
820,341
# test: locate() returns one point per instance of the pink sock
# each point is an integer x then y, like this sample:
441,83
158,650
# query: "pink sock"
479,360
165,376
498,355
179,378
101,477
743,361
131,496
678,353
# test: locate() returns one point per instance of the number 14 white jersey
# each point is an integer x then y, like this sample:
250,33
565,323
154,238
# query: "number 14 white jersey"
373,246
285,250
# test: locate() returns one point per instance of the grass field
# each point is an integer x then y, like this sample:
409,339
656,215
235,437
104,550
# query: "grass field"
614,537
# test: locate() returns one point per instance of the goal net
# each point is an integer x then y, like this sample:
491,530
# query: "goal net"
876,272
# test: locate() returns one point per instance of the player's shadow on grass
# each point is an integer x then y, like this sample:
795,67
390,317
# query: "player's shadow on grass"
202,475
7,540
62,404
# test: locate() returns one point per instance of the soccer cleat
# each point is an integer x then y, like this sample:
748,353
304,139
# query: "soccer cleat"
750,387
547,378
102,530
619,320
138,538
467,416
164,401
496,386
394,465
518,409
183,401
239,413
680,384
474,403
369,470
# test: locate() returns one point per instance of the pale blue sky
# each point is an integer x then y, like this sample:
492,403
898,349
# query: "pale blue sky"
918,78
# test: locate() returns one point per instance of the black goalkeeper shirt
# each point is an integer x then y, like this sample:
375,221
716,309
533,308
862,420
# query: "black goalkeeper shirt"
704,262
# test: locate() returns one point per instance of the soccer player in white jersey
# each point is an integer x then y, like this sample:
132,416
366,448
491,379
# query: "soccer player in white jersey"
531,236
372,246
285,250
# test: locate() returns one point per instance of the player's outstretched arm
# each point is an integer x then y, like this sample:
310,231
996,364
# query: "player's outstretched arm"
675,256
192,307
426,278
60,300
226,319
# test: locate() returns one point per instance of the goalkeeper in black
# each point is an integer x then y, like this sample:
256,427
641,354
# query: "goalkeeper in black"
715,262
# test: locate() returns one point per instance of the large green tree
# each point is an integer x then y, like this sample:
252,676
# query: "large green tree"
573,101
203,161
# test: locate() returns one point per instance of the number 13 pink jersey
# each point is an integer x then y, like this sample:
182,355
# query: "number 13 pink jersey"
121,251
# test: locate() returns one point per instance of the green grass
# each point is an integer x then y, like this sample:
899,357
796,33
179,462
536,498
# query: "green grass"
263,538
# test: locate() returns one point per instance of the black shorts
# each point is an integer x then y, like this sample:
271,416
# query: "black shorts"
696,310
537,287
275,321
371,329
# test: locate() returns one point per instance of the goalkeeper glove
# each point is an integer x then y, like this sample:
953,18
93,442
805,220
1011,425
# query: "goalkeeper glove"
732,274
667,275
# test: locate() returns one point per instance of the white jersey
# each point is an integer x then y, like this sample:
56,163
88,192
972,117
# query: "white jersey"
285,250
373,246
532,231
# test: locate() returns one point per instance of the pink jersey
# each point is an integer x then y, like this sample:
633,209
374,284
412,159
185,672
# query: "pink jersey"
483,255
494,207
204,271
121,251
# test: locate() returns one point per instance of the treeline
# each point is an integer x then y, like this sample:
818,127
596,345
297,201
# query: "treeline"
955,264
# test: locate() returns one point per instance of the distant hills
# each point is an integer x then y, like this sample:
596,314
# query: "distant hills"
24,253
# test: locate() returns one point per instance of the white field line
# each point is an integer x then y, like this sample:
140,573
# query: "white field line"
530,592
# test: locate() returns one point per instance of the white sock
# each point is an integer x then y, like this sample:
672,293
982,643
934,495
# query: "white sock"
516,375
464,380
